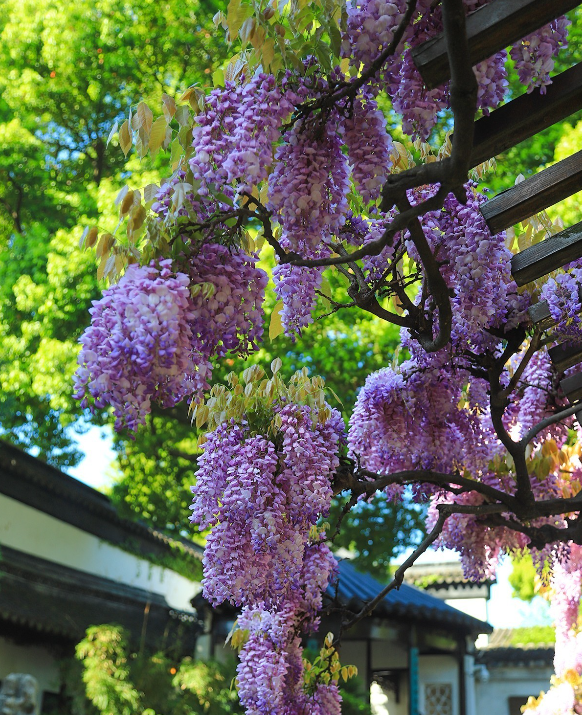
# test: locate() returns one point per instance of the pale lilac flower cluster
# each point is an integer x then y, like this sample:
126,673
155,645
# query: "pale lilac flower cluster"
262,496
370,29
358,232
534,54
270,672
533,402
140,346
196,207
565,609
309,184
563,294
297,287
410,420
477,267
480,547
492,81
561,698
233,137
369,148
261,503
232,317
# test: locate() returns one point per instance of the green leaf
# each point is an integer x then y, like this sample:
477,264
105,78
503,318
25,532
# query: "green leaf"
236,14
218,78
335,38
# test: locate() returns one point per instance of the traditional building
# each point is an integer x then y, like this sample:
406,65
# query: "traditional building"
512,667
511,664
415,654
69,561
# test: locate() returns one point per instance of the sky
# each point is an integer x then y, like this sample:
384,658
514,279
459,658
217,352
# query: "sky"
504,610
95,469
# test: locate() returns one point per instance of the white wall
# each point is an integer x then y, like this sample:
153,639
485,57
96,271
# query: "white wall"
34,660
507,681
476,607
439,669
27,529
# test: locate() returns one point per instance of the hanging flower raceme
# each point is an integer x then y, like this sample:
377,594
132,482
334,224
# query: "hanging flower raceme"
276,482
369,147
562,293
415,417
371,25
534,54
228,291
309,184
263,481
565,694
140,346
233,137
153,335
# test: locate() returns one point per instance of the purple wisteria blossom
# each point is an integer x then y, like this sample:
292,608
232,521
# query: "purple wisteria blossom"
140,346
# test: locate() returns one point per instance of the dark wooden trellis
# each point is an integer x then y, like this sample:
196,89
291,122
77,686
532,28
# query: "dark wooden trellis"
491,29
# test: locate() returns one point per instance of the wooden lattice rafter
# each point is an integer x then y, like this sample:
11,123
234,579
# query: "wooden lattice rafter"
490,29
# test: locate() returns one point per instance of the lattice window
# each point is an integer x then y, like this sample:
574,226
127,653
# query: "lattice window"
438,699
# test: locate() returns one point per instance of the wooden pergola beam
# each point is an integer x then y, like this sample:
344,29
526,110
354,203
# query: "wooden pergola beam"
572,387
565,355
540,315
490,29
527,115
534,194
548,255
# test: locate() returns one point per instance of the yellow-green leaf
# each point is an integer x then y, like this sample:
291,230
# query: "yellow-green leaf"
125,138
218,78
276,326
157,134
268,52
145,117
236,14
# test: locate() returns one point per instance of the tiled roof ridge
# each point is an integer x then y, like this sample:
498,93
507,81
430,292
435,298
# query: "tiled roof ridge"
439,574
408,601
503,639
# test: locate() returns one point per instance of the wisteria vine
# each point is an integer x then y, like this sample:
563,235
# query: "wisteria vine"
293,150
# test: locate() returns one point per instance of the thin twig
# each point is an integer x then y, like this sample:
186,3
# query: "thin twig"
548,421
399,575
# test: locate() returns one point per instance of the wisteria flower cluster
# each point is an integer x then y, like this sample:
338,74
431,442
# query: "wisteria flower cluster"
140,346
262,483
534,54
370,30
562,294
233,137
153,335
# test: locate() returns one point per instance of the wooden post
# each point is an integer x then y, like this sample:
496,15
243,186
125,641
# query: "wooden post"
534,194
413,679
